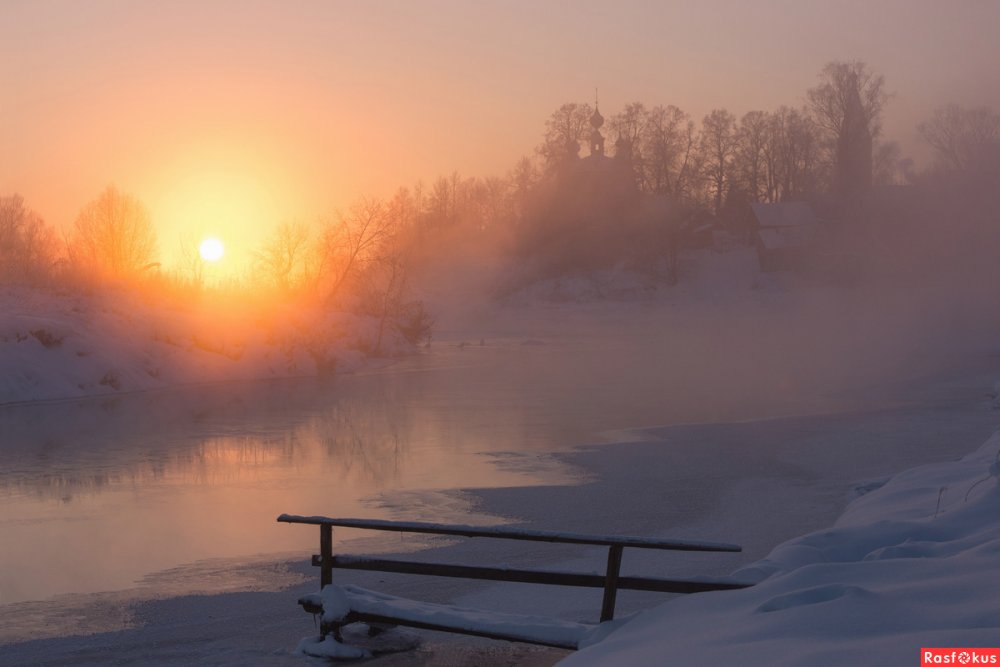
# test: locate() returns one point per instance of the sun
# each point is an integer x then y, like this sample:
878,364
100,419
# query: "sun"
211,249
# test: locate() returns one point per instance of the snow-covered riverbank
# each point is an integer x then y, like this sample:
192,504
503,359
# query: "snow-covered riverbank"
70,345
911,564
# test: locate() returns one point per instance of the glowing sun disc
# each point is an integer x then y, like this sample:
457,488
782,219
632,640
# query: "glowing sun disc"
211,249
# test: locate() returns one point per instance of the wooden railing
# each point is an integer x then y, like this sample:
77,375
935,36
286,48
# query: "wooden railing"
611,581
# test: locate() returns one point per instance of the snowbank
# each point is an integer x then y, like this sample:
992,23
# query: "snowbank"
338,601
911,564
55,346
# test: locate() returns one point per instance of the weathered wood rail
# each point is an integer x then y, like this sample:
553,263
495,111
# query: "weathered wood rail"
611,581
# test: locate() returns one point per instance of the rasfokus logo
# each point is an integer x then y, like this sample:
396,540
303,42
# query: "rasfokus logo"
959,656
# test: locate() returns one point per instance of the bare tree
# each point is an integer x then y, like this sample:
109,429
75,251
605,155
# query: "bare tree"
748,161
791,155
468,203
626,129
404,207
283,258
441,202
497,203
349,240
385,285
668,142
961,138
113,236
627,125
28,246
717,147
524,179
564,130
847,105
368,259
191,267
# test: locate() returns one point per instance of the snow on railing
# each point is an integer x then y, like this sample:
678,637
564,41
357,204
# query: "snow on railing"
610,581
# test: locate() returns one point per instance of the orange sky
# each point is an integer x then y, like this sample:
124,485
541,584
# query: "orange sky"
228,117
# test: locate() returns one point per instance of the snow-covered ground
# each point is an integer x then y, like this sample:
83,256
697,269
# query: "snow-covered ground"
911,564
67,345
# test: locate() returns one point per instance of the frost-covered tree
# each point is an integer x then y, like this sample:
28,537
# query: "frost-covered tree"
962,138
748,159
28,246
792,155
717,148
350,240
113,237
283,258
626,131
564,130
668,147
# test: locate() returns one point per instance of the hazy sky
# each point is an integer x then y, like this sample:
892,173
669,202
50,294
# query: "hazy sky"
227,117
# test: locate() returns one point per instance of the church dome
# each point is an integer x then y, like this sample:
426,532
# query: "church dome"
596,120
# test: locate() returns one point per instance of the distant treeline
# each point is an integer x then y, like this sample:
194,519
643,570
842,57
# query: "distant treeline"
695,170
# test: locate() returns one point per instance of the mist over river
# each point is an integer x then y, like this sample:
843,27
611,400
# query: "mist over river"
100,494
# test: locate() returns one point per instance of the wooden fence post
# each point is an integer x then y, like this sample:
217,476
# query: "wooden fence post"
611,582
326,554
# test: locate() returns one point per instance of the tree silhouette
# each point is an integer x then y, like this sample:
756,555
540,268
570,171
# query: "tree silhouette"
847,105
564,130
962,138
667,148
282,259
350,240
749,160
27,244
792,155
718,147
113,236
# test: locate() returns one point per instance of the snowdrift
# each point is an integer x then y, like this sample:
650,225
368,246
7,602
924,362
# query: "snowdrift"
911,564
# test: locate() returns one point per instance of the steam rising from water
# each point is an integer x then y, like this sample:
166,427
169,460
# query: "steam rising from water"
902,286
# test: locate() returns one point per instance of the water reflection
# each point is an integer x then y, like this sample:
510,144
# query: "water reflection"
219,435
364,439
95,495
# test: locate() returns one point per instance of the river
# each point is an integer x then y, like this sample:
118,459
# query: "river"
151,489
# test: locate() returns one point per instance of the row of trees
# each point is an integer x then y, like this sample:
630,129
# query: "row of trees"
28,246
111,239
355,260
770,156
762,156
766,155
963,140
352,261
829,151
